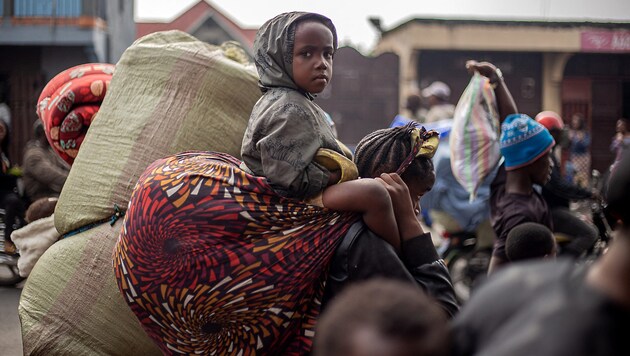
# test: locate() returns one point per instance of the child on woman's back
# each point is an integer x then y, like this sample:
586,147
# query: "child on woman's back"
293,54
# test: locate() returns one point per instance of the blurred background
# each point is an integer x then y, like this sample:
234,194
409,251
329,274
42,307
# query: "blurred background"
566,56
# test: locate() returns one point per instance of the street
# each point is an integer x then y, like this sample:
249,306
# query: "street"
11,338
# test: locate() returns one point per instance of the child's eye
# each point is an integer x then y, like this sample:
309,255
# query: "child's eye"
306,54
328,55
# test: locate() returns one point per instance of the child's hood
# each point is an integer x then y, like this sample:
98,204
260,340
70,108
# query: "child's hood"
273,48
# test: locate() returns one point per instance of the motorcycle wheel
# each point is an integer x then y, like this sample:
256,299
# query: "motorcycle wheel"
467,271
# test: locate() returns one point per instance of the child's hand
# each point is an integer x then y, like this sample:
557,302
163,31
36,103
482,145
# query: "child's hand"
334,177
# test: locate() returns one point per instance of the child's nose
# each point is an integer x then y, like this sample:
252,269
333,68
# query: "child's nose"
321,63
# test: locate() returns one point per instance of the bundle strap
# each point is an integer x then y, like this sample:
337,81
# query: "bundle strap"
118,213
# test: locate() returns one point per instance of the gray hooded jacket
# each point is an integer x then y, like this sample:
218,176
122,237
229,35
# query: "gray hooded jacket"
286,128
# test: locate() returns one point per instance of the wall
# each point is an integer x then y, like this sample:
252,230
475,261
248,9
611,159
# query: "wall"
121,28
363,94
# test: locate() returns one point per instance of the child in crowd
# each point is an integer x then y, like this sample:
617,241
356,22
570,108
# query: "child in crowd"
529,241
293,55
621,141
525,145
557,308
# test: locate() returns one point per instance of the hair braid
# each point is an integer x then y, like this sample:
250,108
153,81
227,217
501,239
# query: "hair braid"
383,151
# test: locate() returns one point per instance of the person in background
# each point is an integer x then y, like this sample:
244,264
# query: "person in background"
525,145
557,308
448,203
44,171
382,317
558,193
437,95
621,141
529,241
412,112
10,199
579,150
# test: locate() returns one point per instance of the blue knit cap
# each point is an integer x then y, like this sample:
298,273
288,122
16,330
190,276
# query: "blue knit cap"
523,141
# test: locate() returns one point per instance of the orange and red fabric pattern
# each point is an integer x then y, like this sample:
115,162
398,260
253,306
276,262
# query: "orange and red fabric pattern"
213,261
68,104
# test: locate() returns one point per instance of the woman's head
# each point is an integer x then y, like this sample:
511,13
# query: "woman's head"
275,48
623,125
529,241
384,151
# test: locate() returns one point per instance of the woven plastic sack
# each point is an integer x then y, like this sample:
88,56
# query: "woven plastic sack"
70,304
169,93
474,141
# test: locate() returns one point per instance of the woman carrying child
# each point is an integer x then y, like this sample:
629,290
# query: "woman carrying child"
294,56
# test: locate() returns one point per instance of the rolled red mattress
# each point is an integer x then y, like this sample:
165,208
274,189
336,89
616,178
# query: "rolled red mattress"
69,103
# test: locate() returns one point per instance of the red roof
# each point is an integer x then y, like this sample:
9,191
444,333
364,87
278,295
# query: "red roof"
191,18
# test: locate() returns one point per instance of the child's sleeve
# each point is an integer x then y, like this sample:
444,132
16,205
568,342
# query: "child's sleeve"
287,153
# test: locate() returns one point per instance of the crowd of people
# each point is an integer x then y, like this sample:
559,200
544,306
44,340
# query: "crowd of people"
41,176
384,289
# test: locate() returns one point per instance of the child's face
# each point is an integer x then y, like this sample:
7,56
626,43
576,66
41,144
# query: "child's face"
312,56
540,170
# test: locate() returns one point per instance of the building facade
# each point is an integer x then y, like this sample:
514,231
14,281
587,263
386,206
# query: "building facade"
40,38
567,67
205,22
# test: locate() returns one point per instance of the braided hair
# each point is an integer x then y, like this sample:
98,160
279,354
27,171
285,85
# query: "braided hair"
383,151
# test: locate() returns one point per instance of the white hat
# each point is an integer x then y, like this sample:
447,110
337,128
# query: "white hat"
439,89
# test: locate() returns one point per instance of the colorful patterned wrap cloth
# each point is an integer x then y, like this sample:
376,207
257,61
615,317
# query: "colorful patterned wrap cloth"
68,104
212,261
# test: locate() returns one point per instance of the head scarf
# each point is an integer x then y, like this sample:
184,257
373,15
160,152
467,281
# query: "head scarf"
523,141
423,144
273,48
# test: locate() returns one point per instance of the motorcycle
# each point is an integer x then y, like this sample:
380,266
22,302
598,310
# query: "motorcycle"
594,213
599,218
467,261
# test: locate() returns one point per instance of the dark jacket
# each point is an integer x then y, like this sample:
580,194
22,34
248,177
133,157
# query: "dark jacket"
363,255
543,309
44,172
558,192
